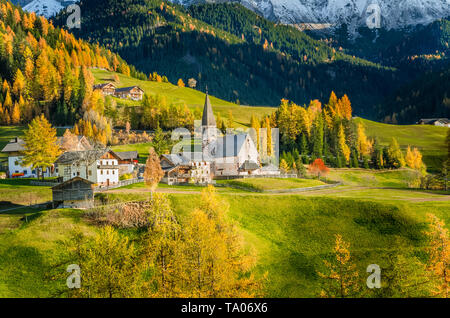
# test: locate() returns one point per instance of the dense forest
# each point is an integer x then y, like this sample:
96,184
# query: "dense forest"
251,62
45,70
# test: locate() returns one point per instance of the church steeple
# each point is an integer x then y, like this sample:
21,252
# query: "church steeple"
208,119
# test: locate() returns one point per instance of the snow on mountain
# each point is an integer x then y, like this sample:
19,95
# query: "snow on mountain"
47,8
395,14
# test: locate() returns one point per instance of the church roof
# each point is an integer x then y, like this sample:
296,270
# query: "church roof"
208,116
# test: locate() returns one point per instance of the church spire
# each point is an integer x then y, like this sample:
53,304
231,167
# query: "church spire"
208,119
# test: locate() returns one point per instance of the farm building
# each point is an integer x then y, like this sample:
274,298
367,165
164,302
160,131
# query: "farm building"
128,161
442,122
74,193
132,92
106,89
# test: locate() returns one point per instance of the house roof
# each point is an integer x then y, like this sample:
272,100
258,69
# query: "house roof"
100,86
177,159
208,116
127,89
65,183
14,145
127,155
88,156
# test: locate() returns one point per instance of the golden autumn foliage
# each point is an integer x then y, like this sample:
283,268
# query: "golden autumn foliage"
343,147
153,171
41,147
341,279
363,143
439,256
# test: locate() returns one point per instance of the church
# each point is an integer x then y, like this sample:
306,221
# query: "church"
229,154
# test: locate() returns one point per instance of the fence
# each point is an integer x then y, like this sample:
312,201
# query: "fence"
44,183
121,183
247,176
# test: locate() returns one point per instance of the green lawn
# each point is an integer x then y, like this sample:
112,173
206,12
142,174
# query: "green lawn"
184,95
372,178
264,184
141,148
20,192
429,139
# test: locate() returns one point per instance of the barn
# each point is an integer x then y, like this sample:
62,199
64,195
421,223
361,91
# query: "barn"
74,193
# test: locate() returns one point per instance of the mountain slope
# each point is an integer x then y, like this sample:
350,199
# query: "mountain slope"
258,67
395,13
47,8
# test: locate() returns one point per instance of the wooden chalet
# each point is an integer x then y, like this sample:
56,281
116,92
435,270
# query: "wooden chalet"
74,193
132,92
106,89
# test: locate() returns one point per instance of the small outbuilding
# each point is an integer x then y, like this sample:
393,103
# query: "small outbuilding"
74,193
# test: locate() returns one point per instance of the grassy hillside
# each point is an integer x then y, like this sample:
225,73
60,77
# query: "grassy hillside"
291,235
183,95
429,139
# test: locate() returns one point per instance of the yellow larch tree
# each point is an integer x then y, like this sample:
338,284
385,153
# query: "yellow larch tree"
345,150
439,256
342,278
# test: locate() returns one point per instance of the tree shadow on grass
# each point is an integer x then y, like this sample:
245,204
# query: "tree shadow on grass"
22,271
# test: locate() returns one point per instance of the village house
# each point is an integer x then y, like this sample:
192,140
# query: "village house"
16,169
442,122
100,166
80,143
181,168
74,193
132,92
128,161
106,89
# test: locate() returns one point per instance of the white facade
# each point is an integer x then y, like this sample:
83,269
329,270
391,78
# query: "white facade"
15,169
102,172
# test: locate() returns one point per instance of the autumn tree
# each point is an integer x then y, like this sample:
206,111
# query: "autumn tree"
364,145
318,168
439,256
216,263
395,155
41,147
230,121
341,279
108,263
153,172
284,167
180,83
343,147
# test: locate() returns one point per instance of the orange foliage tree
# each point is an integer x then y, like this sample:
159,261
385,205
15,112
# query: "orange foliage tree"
318,168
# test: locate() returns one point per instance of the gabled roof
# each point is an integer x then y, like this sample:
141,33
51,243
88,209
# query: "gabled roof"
208,116
85,156
127,89
74,179
127,155
14,145
177,159
100,86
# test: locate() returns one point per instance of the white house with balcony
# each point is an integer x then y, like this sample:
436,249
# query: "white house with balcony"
100,166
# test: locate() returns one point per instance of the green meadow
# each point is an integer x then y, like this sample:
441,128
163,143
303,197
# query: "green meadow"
183,95
265,184
429,139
